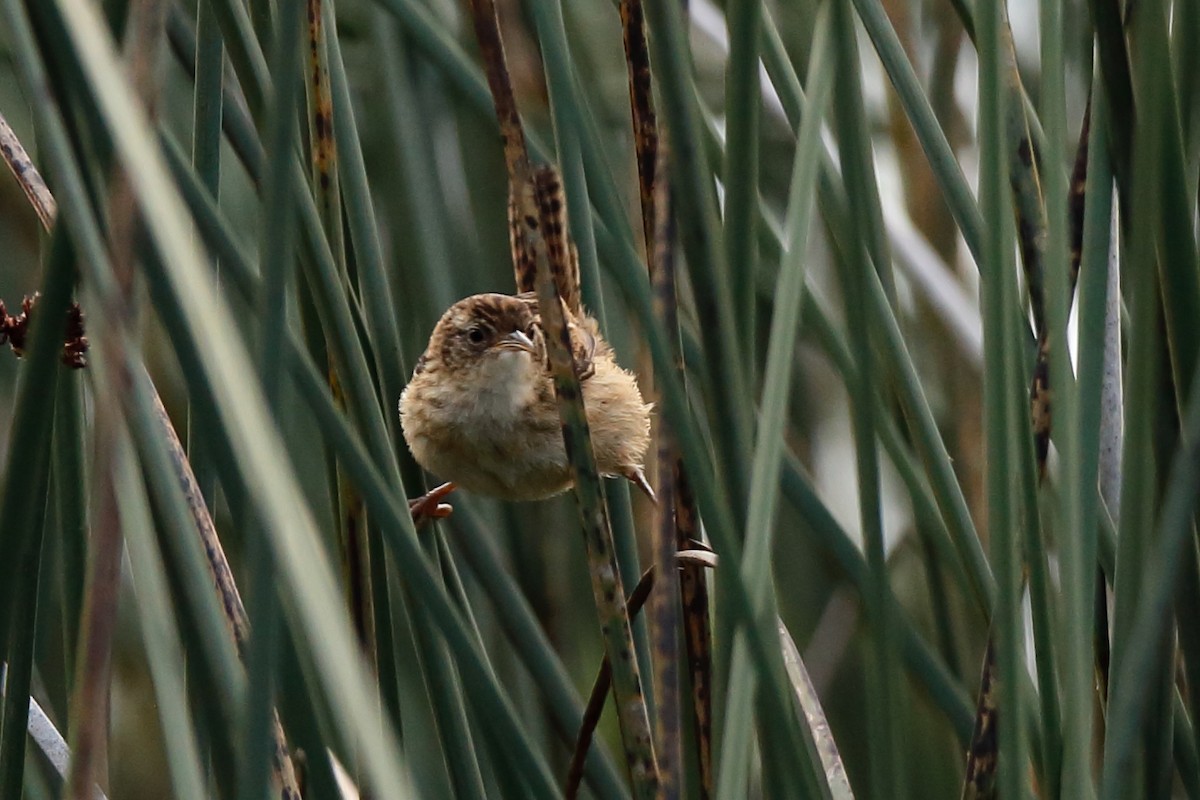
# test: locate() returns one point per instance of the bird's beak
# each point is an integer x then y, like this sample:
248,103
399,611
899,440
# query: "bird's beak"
517,340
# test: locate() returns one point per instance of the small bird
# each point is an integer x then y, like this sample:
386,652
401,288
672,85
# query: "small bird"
480,410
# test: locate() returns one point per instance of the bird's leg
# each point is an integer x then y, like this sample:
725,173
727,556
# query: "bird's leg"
430,506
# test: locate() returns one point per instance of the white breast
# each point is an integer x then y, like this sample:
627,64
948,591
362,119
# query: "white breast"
505,386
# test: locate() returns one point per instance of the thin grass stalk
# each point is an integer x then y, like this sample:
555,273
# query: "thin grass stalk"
665,606
245,54
478,679
658,232
568,113
379,314
928,440
1151,617
354,528
702,242
323,152
1185,29
44,734
645,123
743,110
321,268
22,496
945,691
769,448
599,694
235,116
806,695
70,477
159,633
698,637
709,494
418,180
207,113
380,495
883,701
1024,155
434,662
1000,417
606,580
1046,630
22,168
921,661
90,688
16,672
379,320
218,617
1076,548
858,167
529,641
924,666
334,308
434,658
182,33
917,107
277,253
1180,273
1113,58
1138,462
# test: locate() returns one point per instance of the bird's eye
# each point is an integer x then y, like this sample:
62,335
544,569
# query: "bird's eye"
475,335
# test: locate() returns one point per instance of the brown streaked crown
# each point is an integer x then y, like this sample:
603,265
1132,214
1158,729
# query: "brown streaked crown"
472,326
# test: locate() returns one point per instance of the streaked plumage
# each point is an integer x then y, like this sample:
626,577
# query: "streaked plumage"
480,410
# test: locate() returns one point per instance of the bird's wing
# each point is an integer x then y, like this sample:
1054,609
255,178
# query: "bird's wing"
582,330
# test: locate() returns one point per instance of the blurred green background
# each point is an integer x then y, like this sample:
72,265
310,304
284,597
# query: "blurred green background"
433,159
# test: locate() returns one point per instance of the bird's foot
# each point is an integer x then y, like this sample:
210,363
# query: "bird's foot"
430,506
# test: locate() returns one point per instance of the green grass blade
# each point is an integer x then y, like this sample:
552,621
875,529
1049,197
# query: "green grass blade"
379,495
883,701
568,109
207,112
284,512
1000,380
743,108
159,632
929,132
521,626
769,448
1076,406
930,444
702,243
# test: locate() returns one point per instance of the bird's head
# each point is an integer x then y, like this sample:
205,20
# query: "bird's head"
483,330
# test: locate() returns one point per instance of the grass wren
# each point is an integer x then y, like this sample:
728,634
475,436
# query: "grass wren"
480,410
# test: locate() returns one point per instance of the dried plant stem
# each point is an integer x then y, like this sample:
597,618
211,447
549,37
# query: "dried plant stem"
90,704
541,209
595,704
645,122
658,230
495,67
27,176
982,753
